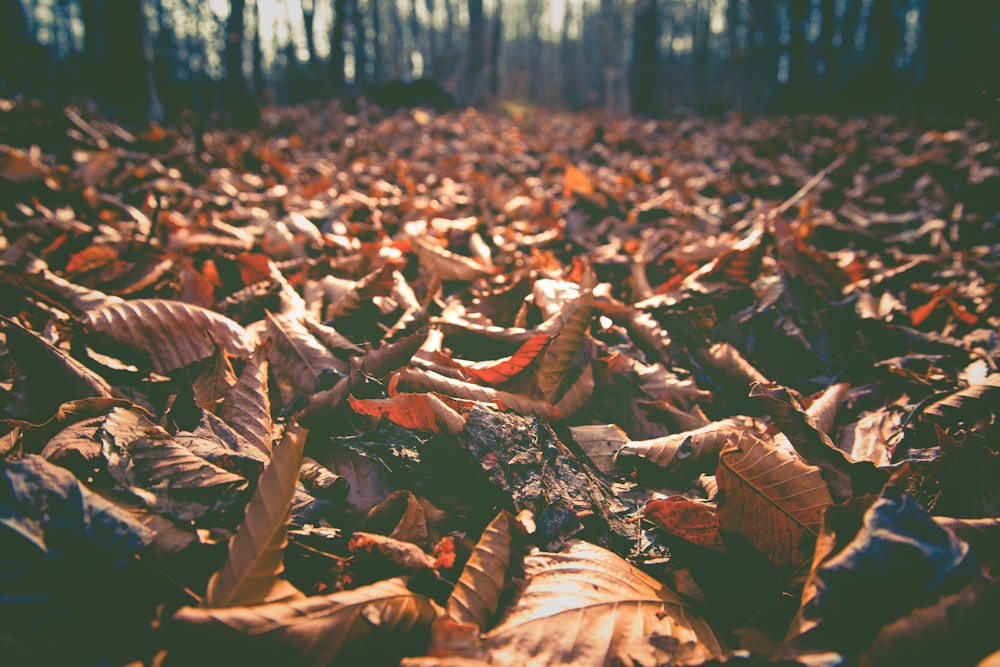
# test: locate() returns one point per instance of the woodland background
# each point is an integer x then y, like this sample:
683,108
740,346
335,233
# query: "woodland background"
158,57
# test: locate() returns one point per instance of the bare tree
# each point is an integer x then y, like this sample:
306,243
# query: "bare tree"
645,54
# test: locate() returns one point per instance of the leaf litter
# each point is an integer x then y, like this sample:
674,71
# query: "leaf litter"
461,388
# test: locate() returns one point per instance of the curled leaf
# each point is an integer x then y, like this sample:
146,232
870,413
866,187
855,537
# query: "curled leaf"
477,593
170,334
375,623
421,412
250,575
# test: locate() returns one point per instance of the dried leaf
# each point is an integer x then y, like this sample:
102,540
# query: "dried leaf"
369,624
44,361
587,606
413,379
171,334
495,373
975,402
420,412
251,573
877,559
247,408
476,596
600,442
320,482
449,265
772,499
570,324
575,181
823,409
686,455
726,359
692,522
297,357
215,376
846,479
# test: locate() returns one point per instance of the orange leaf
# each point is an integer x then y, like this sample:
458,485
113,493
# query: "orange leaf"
576,182
498,372
91,258
690,521
918,315
419,412
961,313
254,267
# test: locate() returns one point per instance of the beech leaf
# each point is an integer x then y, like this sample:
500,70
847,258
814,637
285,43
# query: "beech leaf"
449,265
587,606
476,596
845,478
420,412
250,575
247,408
377,622
170,334
570,323
772,499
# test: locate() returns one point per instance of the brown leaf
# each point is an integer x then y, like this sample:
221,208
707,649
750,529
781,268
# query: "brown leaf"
476,596
420,412
90,259
215,376
575,181
449,265
247,408
690,521
569,325
171,334
846,479
164,475
626,616
380,621
413,379
251,573
774,500
686,455
600,442
297,358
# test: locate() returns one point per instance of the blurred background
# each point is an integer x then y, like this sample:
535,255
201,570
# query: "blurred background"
157,58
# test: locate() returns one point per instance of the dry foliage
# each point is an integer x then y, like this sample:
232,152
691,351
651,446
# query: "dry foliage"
701,369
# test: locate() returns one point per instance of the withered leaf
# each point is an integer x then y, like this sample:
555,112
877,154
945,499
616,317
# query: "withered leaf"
247,408
170,334
771,498
626,616
251,573
381,621
421,412
477,594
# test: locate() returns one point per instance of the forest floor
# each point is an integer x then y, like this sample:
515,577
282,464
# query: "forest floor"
532,388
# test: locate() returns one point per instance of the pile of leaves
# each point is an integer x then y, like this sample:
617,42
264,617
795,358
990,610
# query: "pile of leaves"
470,388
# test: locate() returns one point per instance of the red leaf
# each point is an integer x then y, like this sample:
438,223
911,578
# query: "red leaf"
496,373
91,258
254,267
420,412
693,522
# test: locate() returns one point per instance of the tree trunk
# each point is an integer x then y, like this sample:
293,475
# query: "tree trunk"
259,83
337,47
16,47
239,102
115,59
477,53
645,38
308,14
495,41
